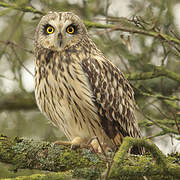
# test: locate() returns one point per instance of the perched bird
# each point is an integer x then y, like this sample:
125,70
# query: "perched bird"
78,88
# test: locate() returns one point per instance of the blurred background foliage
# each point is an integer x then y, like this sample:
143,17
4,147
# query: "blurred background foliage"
157,96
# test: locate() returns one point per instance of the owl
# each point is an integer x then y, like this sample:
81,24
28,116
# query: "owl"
78,89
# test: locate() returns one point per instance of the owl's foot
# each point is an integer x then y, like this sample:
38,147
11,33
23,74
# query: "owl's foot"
77,142
99,147
93,144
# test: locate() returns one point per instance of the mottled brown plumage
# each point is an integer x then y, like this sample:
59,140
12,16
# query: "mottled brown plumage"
77,87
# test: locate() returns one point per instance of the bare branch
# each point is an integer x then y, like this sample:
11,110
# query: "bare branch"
21,8
17,101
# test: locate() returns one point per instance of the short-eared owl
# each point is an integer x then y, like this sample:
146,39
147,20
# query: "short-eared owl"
77,87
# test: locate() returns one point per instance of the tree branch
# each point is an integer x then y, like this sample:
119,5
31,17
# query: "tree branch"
123,24
157,72
145,123
52,176
16,101
161,165
81,163
45,156
21,8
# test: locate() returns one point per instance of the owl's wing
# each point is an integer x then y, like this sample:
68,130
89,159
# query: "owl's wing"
113,97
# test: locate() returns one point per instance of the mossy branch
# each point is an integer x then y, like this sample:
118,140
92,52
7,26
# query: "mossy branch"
169,122
161,165
158,71
123,24
48,176
81,163
21,8
45,156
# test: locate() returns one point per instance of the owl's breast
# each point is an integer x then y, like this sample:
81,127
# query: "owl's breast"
63,94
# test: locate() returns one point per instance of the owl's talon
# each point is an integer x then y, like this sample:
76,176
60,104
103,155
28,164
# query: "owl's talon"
99,148
76,143
65,143
75,146
93,145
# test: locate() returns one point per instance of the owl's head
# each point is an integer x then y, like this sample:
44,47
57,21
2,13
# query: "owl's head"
56,31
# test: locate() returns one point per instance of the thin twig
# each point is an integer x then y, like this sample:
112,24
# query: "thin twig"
21,63
175,119
16,45
161,111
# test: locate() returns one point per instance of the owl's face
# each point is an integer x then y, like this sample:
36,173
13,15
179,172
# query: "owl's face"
56,31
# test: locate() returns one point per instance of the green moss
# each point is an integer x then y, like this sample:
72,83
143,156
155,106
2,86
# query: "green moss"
154,164
86,173
45,156
48,176
70,159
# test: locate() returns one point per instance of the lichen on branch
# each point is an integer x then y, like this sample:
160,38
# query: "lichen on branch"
82,163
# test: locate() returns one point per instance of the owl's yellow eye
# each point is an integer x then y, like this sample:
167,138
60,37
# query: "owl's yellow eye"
49,30
70,29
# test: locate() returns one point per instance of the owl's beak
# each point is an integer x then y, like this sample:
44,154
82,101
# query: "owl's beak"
59,39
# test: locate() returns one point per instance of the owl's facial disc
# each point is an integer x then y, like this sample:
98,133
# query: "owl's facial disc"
58,31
